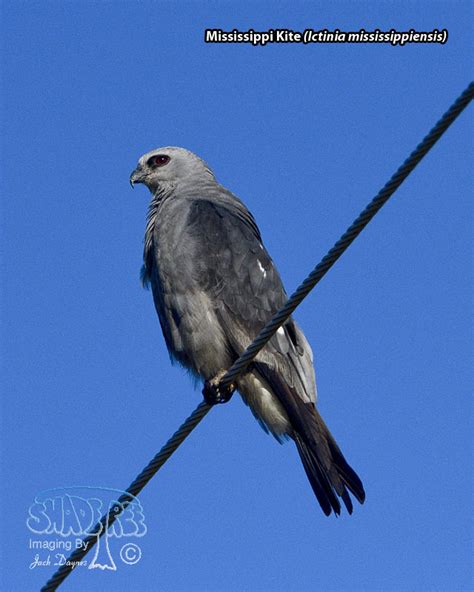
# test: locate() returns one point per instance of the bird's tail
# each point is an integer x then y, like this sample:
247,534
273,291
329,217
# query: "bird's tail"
328,472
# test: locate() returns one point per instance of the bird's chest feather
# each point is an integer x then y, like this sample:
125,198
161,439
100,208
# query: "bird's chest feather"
186,311
172,248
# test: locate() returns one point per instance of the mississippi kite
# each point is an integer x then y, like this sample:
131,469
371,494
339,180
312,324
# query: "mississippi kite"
215,286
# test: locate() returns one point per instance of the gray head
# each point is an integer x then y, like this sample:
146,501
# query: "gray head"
167,167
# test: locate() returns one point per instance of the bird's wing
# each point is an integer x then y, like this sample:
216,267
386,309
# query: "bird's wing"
233,267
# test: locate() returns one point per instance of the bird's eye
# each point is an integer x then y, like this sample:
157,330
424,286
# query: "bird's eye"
158,160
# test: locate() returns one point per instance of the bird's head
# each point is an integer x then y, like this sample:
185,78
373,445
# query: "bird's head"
167,167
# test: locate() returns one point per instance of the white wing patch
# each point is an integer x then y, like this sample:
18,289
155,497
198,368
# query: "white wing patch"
262,269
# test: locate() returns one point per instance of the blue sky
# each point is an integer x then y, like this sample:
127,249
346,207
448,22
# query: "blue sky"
305,135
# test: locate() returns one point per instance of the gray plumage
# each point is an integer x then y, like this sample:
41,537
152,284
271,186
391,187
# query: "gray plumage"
215,286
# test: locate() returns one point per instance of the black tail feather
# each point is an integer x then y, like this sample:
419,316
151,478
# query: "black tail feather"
317,478
346,472
328,471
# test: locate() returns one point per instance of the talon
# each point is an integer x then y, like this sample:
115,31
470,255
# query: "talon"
214,394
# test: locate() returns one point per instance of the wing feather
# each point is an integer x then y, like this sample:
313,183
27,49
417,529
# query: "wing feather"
235,270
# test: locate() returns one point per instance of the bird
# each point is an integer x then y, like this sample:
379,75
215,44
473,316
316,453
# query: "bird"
215,287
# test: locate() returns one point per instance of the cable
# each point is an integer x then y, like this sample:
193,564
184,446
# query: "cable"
348,237
263,337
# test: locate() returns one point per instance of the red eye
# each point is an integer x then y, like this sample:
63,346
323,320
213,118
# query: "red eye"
159,160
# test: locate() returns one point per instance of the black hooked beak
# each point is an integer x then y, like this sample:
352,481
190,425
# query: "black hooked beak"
137,176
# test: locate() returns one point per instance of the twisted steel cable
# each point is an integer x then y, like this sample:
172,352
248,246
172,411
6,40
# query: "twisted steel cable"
263,337
348,237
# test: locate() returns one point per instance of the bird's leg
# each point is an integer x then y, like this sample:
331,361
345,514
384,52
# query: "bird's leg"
214,393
